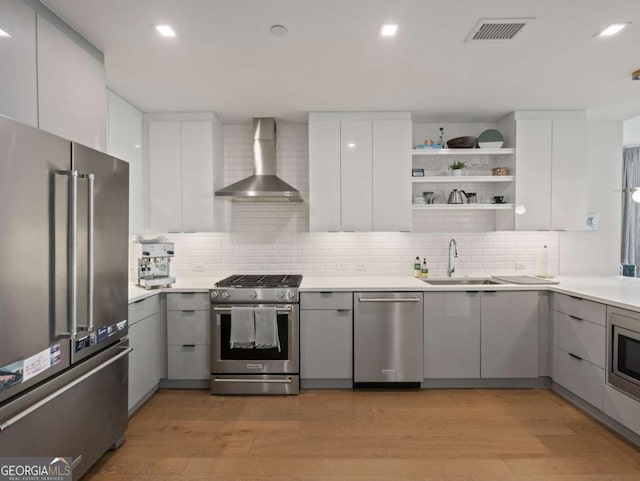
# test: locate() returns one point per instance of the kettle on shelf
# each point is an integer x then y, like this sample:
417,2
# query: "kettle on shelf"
458,197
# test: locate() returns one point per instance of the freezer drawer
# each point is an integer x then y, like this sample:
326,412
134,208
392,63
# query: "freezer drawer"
81,413
387,337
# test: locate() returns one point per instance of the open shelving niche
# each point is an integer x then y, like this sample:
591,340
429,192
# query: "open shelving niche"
477,179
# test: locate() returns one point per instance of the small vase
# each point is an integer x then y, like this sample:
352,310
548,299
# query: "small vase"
456,172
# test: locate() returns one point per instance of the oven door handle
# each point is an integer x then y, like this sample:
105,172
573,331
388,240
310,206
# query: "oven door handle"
228,309
273,381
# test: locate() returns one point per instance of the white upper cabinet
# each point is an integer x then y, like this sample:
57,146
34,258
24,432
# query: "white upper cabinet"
71,88
165,186
533,179
197,175
324,175
551,169
185,166
359,165
124,140
18,87
391,180
569,175
356,172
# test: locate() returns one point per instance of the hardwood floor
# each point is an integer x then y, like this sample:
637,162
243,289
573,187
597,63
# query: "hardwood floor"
428,435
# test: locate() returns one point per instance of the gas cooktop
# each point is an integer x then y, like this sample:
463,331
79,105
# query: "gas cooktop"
264,280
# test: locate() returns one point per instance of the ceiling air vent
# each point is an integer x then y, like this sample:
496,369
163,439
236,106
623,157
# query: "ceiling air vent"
497,29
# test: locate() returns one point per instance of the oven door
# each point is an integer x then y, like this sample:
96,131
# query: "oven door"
227,360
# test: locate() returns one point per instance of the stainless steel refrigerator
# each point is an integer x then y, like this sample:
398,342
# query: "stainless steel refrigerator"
63,297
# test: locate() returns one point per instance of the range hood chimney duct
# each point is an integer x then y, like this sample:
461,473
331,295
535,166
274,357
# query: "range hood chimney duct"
264,185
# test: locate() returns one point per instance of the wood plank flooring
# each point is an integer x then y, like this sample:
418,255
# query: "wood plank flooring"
428,435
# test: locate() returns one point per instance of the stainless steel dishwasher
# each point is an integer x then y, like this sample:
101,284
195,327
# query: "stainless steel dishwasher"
387,339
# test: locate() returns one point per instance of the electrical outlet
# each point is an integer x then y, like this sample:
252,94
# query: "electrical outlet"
197,267
361,267
520,266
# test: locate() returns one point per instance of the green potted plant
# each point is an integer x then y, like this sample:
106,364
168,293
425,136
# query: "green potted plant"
456,168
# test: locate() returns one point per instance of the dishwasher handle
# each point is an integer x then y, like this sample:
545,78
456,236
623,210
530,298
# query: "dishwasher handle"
385,299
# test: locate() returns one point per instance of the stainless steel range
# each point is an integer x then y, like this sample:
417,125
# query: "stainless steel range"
255,335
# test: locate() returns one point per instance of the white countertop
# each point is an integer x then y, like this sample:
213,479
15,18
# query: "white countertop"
623,292
187,284
616,291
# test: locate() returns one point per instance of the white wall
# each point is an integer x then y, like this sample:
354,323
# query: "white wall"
599,252
631,131
268,237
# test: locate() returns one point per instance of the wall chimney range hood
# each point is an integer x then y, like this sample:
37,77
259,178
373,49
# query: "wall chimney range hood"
263,185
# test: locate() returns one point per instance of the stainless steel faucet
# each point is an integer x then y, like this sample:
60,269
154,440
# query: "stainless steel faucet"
450,267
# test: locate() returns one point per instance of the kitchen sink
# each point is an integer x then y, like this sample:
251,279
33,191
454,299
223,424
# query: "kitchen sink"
462,282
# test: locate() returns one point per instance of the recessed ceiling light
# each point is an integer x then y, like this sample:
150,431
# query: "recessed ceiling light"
137,146
389,30
165,30
612,29
351,145
4,34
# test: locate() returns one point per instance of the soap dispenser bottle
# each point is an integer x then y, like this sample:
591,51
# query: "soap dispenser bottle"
416,267
424,272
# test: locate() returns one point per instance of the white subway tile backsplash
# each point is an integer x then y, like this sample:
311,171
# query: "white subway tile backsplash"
275,237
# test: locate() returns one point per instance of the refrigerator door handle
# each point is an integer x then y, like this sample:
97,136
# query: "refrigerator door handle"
34,407
90,238
72,280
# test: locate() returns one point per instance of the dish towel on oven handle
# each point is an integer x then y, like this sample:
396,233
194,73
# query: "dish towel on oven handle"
267,328
243,328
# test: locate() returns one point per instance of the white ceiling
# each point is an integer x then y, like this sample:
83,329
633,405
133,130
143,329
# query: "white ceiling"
224,59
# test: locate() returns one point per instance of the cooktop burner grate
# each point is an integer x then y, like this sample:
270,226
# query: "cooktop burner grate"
261,280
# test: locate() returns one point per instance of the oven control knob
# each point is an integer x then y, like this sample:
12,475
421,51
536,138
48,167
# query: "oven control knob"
290,295
214,294
280,294
225,295
253,294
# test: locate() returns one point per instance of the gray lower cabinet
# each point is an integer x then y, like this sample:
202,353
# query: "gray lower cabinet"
451,335
471,335
326,336
579,353
146,339
188,336
509,334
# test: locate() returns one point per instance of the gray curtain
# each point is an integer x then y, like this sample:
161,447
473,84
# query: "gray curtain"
630,210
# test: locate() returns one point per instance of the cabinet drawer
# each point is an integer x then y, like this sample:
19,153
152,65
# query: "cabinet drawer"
580,377
188,327
622,408
190,362
326,300
581,308
196,301
138,310
582,338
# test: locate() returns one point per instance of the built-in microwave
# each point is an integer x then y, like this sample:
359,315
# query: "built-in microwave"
623,342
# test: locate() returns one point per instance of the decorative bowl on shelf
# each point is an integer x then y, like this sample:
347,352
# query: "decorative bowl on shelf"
462,143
